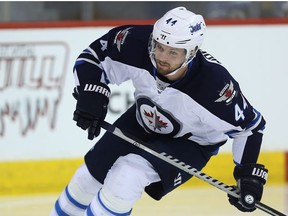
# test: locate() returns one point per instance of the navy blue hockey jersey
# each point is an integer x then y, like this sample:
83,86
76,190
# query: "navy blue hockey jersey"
206,105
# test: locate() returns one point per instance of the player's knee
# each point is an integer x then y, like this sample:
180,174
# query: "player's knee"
83,186
126,180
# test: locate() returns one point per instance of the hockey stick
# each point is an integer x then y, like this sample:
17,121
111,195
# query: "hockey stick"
187,168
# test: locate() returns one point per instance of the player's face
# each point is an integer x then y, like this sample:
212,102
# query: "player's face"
168,59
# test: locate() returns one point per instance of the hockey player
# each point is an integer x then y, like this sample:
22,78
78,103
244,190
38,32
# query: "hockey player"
186,104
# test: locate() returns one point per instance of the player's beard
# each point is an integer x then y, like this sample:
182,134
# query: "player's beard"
165,68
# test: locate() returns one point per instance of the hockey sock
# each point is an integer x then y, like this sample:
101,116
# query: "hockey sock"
66,205
99,208
77,195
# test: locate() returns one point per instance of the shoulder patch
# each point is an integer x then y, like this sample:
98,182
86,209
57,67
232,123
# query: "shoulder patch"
120,37
227,93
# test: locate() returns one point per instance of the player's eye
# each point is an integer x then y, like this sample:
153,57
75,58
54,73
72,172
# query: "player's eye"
159,47
173,53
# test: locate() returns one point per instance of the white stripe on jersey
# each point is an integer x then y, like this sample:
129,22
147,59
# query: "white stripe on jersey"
238,147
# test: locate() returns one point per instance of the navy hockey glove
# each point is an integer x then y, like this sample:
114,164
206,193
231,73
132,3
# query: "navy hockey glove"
91,107
250,180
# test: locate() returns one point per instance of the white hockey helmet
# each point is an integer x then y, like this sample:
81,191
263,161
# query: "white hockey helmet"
179,28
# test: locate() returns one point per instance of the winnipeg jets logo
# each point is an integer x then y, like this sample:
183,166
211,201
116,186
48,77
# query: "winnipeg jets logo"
155,120
227,93
120,37
195,28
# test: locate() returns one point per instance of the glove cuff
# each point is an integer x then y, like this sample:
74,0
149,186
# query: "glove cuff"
93,99
98,87
256,171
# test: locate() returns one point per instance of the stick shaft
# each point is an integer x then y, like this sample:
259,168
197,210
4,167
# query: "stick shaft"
182,166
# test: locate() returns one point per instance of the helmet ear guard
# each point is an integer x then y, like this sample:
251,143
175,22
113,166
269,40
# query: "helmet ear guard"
190,56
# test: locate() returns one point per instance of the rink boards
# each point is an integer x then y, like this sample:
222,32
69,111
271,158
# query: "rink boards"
49,176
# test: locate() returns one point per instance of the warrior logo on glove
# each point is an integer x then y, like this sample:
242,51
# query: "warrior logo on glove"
98,89
260,173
